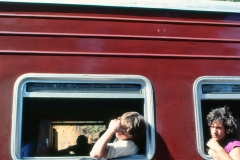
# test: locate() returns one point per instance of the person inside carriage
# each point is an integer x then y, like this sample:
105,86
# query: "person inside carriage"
129,130
224,143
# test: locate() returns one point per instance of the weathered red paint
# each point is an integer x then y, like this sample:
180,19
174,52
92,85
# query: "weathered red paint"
171,48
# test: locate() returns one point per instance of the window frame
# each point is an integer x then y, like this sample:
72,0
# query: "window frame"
197,5
20,92
199,95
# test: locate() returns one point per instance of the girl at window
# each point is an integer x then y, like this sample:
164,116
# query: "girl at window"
224,144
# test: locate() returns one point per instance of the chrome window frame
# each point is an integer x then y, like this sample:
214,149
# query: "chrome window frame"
198,96
19,93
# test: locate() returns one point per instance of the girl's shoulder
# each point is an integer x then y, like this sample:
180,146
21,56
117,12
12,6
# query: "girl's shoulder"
231,144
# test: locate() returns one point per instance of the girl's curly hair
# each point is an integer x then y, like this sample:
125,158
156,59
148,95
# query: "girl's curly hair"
223,114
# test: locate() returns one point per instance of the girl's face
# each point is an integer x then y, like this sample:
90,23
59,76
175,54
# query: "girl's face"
218,131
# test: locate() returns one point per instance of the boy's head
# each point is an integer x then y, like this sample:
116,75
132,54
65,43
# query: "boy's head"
134,124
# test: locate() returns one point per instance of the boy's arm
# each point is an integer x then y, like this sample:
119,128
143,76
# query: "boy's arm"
99,149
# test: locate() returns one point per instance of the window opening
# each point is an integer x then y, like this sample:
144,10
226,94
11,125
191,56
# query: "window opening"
61,116
211,92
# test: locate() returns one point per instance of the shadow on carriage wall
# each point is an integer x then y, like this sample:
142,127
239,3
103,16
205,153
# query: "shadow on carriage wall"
162,149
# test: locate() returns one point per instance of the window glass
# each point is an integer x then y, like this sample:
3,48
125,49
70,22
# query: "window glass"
63,115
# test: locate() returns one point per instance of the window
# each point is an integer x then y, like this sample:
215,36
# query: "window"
209,93
52,113
197,5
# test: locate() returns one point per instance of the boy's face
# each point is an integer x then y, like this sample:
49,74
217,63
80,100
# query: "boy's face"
217,130
122,135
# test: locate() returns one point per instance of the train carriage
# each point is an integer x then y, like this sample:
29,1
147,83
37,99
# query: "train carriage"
67,66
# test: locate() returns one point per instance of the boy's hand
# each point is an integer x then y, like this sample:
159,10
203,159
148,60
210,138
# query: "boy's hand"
115,126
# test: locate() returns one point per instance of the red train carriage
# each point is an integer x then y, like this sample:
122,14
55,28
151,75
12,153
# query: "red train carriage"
75,67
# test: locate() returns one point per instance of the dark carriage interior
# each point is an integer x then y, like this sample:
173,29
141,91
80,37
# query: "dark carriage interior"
93,110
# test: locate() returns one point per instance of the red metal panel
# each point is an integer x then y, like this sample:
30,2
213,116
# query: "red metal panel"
128,46
172,82
110,26
170,48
